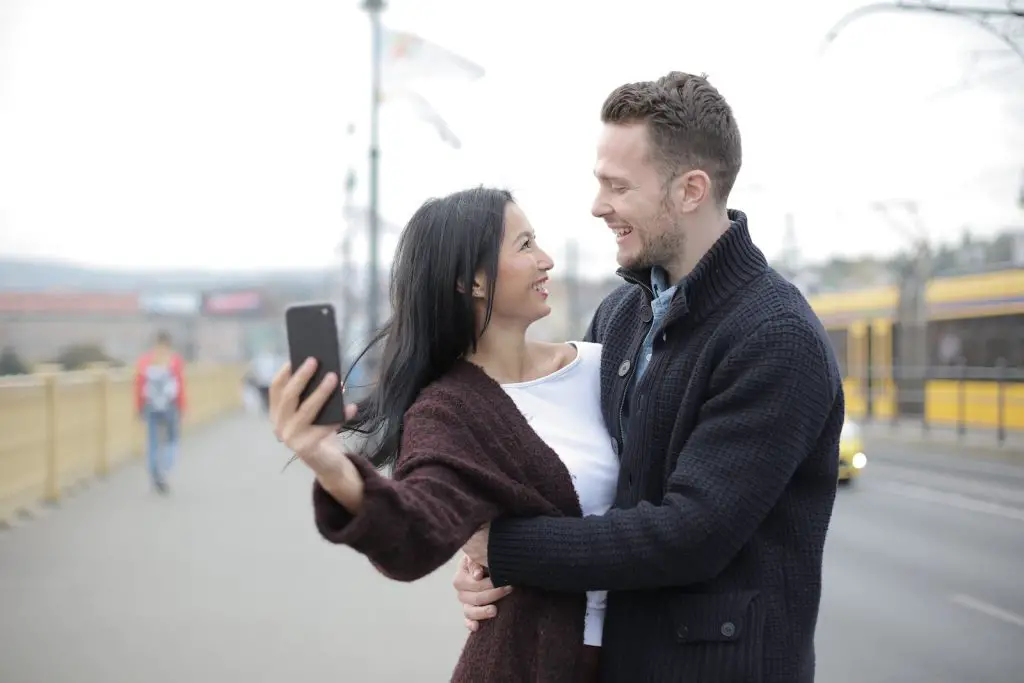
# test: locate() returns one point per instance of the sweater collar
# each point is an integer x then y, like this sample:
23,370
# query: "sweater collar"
732,262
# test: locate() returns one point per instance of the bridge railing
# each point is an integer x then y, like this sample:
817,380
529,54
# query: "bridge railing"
59,428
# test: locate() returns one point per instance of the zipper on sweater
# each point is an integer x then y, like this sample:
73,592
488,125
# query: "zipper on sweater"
622,407
633,279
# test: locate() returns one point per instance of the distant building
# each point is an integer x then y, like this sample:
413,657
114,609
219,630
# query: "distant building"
209,321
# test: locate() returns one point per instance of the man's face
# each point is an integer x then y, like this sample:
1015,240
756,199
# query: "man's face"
633,201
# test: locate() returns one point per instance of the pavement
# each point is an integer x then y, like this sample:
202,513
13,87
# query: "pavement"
923,577
227,580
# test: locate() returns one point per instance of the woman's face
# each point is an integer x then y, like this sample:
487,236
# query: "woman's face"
520,292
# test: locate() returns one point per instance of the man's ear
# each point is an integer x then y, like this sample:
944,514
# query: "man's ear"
691,189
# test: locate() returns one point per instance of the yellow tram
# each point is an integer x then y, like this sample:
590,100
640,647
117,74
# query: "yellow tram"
968,363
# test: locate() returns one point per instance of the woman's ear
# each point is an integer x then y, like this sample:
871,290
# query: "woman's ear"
478,288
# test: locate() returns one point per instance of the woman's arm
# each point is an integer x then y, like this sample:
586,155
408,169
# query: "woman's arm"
413,523
179,375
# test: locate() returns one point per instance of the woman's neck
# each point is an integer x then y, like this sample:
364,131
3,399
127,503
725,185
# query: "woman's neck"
506,356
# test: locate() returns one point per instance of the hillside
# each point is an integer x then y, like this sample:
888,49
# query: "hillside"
37,274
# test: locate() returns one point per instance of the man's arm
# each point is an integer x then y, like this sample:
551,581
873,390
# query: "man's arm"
771,397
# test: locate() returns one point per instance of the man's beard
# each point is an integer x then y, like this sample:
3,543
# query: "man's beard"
663,248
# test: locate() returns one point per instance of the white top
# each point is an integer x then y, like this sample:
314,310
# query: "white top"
564,409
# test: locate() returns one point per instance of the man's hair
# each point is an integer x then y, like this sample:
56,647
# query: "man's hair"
163,337
689,124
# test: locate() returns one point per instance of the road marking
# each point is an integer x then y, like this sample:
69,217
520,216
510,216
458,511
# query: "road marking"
989,610
953,500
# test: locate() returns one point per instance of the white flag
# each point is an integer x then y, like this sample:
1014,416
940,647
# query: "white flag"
426,112
408,57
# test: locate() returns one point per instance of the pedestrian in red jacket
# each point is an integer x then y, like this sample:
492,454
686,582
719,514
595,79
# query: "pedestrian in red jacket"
160,401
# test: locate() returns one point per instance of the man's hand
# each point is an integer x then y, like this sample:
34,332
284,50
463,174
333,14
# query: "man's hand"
476,593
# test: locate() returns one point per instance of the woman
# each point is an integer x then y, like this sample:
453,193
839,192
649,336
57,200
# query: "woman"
476,421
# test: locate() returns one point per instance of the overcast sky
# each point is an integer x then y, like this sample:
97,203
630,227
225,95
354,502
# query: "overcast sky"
212,133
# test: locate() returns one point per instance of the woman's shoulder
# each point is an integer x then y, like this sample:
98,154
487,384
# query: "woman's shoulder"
566,353
589,353
590,348
460,410
462,386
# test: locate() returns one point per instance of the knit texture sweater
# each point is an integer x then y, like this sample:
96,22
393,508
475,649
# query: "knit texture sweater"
713,550
467,456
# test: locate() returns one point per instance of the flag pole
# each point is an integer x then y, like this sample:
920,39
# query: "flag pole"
346,259
374,8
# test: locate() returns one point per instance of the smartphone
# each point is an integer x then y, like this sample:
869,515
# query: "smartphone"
313,333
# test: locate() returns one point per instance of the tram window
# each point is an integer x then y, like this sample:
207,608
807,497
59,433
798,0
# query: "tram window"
979,342
838,339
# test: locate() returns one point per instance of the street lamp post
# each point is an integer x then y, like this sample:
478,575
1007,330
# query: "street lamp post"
346,267
374,8
572,281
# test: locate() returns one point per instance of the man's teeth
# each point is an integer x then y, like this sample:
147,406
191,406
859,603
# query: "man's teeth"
622,232
541,288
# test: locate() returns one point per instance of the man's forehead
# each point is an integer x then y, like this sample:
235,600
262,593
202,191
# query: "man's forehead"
603,170
619,148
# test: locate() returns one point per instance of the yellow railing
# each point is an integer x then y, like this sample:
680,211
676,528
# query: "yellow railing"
59,428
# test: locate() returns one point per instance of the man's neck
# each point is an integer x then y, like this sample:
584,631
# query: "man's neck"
698,243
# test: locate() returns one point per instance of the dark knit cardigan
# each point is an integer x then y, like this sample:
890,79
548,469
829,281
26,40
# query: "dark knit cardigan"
712,553
468,456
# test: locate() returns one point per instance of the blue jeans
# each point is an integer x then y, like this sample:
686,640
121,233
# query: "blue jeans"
162,429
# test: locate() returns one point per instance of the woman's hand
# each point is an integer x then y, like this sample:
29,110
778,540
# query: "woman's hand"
315,445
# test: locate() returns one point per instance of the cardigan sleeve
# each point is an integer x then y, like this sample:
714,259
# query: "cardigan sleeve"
770,399
414,522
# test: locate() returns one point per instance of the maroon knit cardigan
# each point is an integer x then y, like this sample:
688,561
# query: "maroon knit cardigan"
467,456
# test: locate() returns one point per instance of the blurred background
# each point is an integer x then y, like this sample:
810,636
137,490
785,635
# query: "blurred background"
195,167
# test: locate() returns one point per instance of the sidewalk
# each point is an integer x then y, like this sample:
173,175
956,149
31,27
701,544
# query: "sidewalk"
225,580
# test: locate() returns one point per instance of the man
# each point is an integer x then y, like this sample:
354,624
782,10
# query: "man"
723,400
160,401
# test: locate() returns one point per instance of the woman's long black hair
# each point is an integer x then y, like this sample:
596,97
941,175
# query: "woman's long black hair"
433,321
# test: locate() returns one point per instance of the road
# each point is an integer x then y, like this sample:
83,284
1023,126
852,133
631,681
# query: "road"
226,580
924,574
